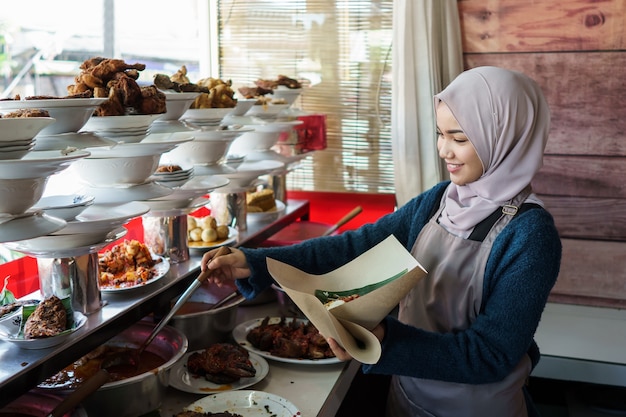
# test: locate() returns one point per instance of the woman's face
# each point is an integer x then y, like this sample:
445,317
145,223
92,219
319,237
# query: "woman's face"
455,149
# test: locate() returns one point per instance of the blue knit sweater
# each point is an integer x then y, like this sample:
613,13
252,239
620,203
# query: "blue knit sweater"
521,270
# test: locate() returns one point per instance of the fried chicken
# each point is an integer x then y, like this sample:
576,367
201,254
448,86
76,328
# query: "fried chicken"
152,101
48,319
221,363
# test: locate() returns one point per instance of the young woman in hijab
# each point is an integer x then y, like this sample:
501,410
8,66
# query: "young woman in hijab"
462,344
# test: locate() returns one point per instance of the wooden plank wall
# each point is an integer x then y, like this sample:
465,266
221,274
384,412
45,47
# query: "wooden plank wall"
576,51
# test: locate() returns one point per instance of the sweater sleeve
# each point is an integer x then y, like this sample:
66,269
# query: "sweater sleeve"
324,254
521,270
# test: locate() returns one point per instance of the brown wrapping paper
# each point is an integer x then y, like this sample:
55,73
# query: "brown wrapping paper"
382,276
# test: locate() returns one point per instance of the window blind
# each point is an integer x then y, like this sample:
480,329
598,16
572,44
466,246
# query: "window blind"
341,52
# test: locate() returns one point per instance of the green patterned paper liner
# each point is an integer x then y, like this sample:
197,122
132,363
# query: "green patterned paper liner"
327,296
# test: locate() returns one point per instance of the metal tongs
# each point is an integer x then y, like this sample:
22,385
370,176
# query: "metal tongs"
132,358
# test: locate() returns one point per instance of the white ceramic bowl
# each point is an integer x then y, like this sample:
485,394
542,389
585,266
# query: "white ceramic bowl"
107,172
288,94
108,123
267,111
242,107
17,196
177,104
22,128
248,172
37,164
212,114
70,114
221,132
65,207
263,137
267,216
203,152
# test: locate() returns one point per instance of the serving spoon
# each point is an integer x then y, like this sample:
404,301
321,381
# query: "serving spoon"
132,357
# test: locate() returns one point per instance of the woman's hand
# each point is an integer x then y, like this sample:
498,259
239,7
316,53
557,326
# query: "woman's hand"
225,268
342,354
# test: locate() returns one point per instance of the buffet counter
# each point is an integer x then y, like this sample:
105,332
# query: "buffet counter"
316,390
24,369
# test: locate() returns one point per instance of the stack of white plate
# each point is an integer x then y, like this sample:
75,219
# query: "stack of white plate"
206,117
128,129
17,135
16,149
174,178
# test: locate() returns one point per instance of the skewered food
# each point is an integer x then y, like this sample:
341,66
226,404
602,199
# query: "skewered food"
48,319
221,363
290,339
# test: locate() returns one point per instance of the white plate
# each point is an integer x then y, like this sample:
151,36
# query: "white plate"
30,225
204,115
193,188
266,111
152,145
21,128
267,216
70,114
205,246
66,246
219,133
50,103
241,331
46,342
247,403
38,164
71,140
183,380
121,195
160,270
97,218
134,121
65,207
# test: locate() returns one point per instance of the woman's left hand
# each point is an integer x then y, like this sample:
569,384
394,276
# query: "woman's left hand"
339,352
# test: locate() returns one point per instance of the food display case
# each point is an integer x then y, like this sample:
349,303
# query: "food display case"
23,369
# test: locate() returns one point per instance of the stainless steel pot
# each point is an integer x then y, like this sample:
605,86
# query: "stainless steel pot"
143,393
204,327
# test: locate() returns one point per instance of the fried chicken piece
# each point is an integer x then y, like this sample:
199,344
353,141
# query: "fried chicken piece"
107,68
266,84
221,363
48,319
152,101
128,89
253,92
114,106
180,77
27,113
288,82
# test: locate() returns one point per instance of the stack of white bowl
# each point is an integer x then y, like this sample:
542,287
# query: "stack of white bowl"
69,114
127,129
173,179
17,135
22,183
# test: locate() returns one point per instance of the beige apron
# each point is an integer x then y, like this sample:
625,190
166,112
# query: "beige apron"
457,278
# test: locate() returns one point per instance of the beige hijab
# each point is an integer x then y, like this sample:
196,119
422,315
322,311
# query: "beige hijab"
506,118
